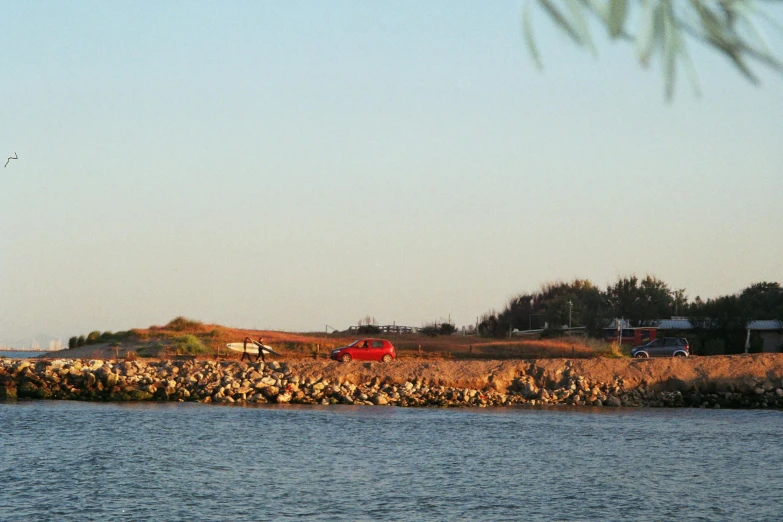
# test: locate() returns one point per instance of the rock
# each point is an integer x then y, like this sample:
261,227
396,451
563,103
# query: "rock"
139,395
613,401
270,391
7,391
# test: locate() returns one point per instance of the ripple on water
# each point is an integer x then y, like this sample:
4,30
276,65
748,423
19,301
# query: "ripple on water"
87,461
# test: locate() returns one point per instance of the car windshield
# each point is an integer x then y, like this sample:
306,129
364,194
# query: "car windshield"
355,343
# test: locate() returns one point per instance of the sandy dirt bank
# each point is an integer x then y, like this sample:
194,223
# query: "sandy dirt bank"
719,372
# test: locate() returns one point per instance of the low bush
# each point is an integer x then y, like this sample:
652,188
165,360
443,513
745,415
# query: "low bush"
180,323
369,329
189,345
431,330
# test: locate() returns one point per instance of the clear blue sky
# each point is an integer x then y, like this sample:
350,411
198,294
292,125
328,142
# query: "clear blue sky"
291,165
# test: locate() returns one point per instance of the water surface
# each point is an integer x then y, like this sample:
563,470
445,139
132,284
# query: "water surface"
22,354
151,461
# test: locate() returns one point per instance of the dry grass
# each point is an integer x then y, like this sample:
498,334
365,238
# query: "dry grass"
318,345
461,347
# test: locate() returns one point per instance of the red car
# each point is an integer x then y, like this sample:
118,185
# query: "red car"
365,350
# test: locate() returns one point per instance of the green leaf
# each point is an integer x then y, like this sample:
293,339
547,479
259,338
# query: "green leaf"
561,20
601,8
617,11
669,49
580,24
528,32
690,70
647,36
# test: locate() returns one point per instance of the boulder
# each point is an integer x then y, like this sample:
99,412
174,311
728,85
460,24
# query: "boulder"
7,390
270,391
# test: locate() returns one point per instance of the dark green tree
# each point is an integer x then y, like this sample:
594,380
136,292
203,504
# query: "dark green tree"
763,301
640,301
551,305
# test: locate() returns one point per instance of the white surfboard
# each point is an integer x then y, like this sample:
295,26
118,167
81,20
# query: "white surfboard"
252,348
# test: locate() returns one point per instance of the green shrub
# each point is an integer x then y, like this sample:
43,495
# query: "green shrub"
430,330
72,342
435,329
369,329
446,329
93,337
80,341
189,345
180,323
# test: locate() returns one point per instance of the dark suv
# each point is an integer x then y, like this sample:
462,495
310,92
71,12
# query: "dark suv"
663,347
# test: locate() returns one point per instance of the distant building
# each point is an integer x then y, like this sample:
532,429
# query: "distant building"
387,329
771,332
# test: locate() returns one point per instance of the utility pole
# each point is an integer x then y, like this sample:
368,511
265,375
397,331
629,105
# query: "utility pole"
570,307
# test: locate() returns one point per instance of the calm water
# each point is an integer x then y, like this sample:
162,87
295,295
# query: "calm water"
21,355
89,461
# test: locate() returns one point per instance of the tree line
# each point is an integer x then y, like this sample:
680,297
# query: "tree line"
642,302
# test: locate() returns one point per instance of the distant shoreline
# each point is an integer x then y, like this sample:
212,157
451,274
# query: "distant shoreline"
24,350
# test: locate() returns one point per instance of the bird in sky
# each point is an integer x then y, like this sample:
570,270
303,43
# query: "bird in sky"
10,158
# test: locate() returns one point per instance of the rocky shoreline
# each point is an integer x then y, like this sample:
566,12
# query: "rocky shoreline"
418,385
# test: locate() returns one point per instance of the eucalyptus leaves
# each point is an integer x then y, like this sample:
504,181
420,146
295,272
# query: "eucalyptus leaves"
661,26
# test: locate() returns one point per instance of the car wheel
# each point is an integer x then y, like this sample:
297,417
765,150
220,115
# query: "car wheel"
346,358
641,355
679,354
386,358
